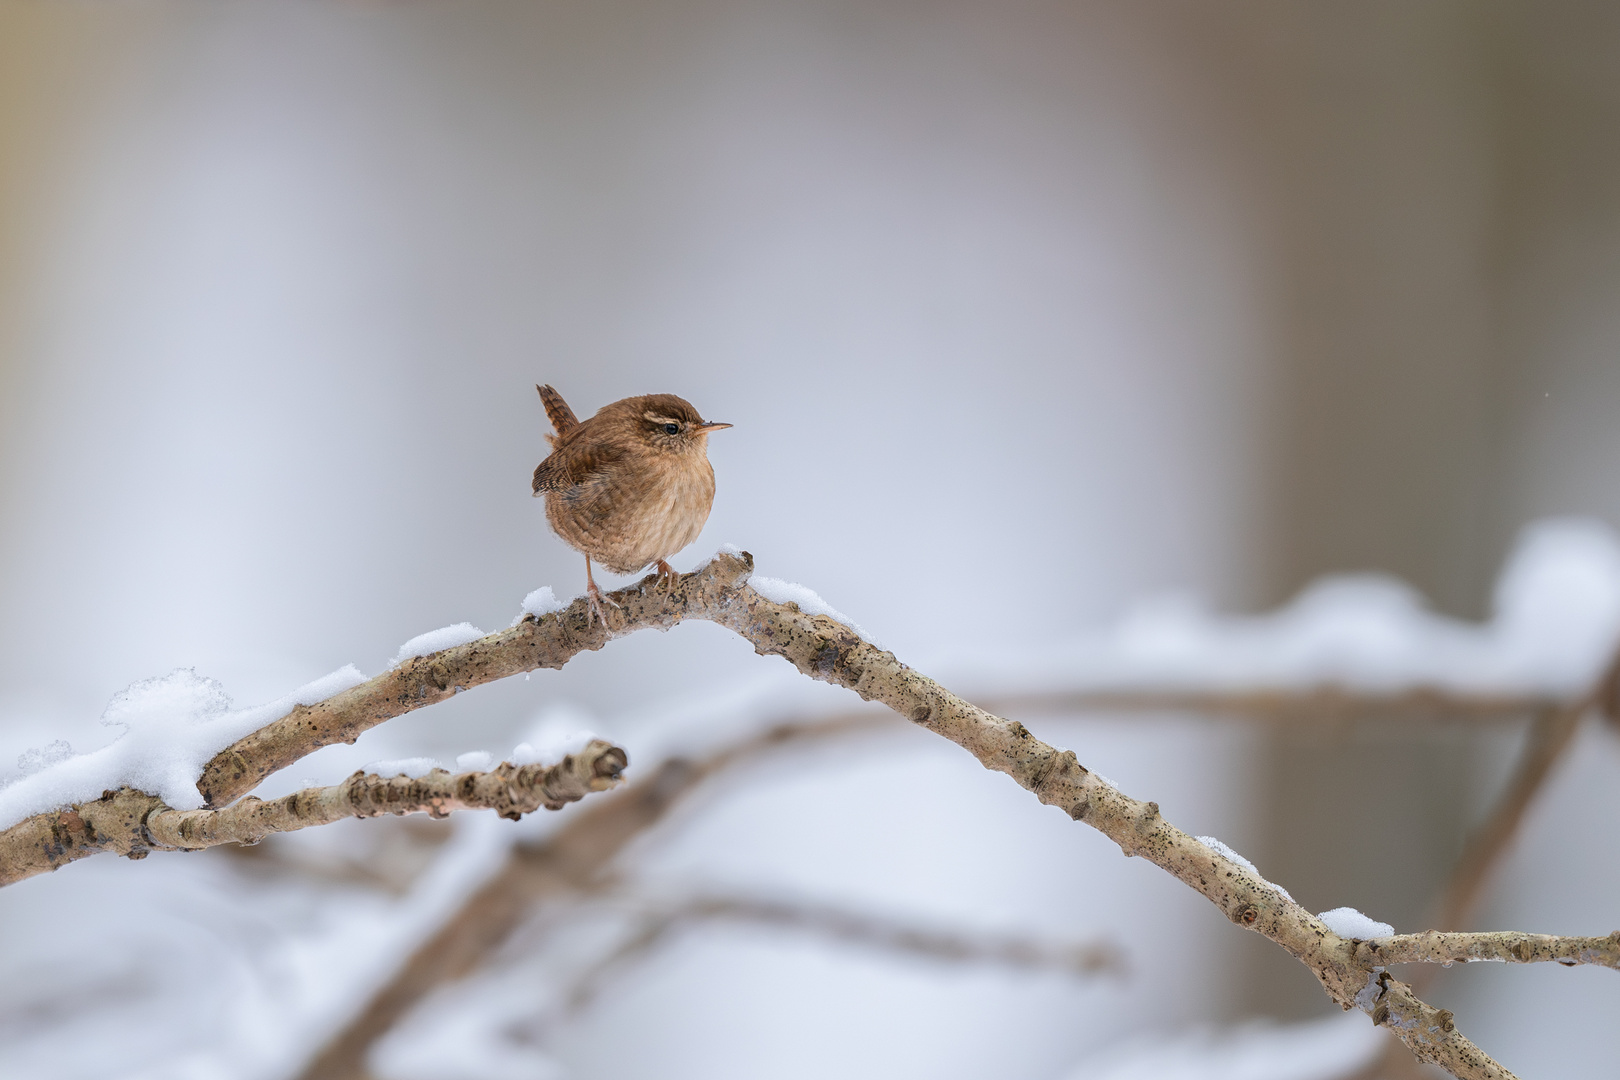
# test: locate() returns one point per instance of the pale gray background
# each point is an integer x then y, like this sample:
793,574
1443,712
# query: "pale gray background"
1021,311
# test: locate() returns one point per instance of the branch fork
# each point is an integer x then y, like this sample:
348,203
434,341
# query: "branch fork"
1352,972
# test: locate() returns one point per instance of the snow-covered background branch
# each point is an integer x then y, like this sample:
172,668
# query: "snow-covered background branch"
1076,351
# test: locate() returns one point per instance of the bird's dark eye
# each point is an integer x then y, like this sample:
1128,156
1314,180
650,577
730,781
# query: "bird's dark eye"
672,429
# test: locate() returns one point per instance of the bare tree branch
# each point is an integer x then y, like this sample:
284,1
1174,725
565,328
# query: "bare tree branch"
1437,947
46,841
133,823
863,929
849,926
827,650
509,790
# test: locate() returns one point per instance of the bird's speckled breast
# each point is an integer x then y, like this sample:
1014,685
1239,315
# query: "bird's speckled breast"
626,523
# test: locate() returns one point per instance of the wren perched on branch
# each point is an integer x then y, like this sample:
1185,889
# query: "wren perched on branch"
629,487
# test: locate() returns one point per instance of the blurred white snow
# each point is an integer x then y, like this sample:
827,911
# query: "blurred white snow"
1555,623
1316,1050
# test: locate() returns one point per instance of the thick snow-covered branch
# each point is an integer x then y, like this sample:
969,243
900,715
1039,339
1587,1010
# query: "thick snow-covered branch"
134,823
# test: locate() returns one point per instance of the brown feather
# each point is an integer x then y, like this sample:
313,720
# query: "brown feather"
561,416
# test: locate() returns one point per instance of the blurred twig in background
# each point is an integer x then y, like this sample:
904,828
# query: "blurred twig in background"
658,925
1550,734
567,863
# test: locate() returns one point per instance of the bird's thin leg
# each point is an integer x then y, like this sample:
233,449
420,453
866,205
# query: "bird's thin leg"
667,575
594,596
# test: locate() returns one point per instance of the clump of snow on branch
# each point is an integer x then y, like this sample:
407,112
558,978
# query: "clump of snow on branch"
1222,849
172,726
413,767
789,592
1225,850
540,603
1347,922
446,637
1317,1050
559,731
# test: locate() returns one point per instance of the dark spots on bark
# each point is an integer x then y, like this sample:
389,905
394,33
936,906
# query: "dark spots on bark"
826,659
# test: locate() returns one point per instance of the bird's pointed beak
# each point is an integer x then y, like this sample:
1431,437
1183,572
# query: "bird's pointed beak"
706,428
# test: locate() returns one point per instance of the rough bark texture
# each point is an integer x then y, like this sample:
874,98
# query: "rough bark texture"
115,823
133,823
509,790
1437,947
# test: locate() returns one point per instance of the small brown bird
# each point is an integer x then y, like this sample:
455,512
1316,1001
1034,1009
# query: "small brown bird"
629,487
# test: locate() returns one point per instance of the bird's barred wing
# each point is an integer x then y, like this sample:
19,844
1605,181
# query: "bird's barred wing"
575,464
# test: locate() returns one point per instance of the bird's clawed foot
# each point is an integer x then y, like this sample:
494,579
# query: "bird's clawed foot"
594,599
667,576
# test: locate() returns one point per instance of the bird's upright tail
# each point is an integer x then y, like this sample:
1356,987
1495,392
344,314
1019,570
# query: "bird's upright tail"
562,417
